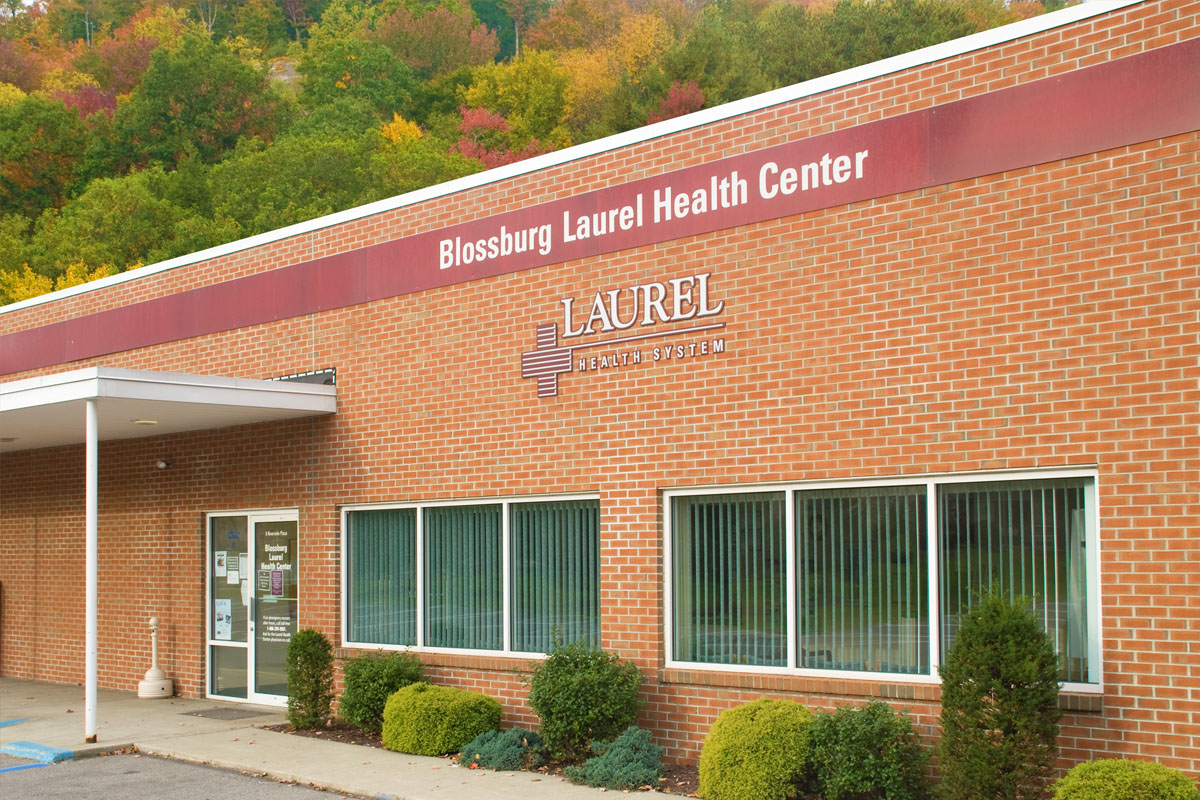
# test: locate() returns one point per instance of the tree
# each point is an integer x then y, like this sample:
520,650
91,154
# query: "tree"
578,24
720,54
261,22
682,98
354,67
999,704
118,223
437,41
42,144
199,97
530,93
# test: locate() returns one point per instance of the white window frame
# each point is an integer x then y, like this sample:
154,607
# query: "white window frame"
506,577
930,483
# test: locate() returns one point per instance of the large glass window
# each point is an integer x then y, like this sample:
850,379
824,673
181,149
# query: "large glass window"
381,584
730,588
508,576
858,562
862,580
1027,539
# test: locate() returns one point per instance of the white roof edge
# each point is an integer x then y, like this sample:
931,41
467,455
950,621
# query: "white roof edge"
916,58
96,377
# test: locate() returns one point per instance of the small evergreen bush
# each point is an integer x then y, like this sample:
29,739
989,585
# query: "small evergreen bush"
868,753
370,681
432,720
583,694
756,751
513,749
630,761
1118,779
999,704
309,663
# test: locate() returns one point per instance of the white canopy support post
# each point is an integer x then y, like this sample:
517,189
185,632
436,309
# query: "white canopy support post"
90,544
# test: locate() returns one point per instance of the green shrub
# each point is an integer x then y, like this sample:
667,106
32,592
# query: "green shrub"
513,749
868,753
309,662
999,704
582,695
370,681
431,720
1118,779
630,761
757,751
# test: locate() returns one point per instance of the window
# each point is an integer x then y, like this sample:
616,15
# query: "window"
501,577
839,578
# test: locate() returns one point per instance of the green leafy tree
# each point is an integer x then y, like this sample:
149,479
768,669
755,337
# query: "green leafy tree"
42,146
720,54
999,704
358,68
262,24
138,218
263,187
199,98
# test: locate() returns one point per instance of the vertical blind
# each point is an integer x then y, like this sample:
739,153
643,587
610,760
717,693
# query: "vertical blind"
862,578
555,585
730,579
381,602
463,571
1026,539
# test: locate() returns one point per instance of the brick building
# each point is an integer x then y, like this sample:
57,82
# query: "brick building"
755,398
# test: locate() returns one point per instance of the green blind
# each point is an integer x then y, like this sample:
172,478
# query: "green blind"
1028,538
463,577
862,580
729,579
555,562
381,603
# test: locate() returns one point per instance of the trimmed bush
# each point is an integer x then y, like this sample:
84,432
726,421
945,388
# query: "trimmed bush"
999,704
1118,779
757,751
309,662
513,749
583,695
370,680
868,753
432,720
630,761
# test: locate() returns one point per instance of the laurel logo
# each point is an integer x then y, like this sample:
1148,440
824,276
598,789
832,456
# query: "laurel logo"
643,305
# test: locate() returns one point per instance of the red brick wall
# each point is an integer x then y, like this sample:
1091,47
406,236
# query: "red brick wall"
1043,317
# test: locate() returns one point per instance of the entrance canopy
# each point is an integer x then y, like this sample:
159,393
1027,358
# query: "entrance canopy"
90,405
49,411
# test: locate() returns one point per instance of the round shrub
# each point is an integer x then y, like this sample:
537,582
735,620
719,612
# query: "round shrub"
513,749
757,751
582,695
868,753
432,720
1118,779
999,704
370,681
630,761
309,661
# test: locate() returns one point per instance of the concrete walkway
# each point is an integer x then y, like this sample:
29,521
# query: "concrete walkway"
44,722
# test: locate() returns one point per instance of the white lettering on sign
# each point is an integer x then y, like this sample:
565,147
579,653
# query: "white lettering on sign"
667,204
647,304
455,252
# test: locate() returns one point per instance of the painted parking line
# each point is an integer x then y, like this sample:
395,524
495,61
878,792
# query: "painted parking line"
22,766
4,723
37,752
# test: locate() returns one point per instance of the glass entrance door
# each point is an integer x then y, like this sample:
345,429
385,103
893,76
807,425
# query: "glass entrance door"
252,604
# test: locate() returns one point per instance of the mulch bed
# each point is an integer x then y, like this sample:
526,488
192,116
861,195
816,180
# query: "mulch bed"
677,779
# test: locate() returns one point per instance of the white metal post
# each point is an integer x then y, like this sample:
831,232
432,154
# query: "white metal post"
90,545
